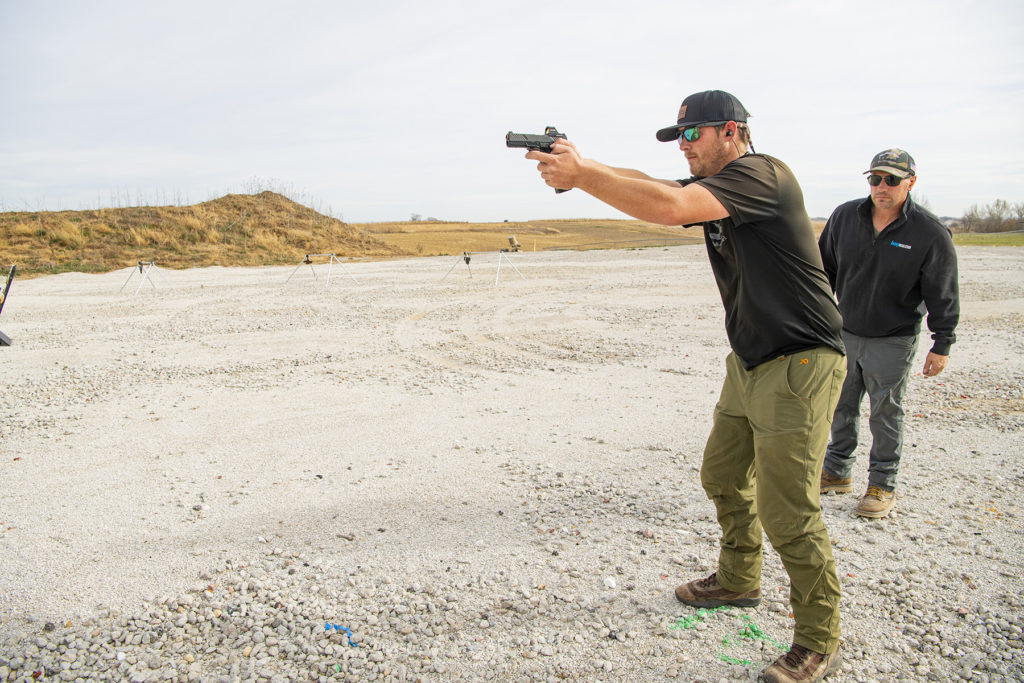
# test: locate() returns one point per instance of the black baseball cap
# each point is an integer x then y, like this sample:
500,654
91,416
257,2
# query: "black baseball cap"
704,107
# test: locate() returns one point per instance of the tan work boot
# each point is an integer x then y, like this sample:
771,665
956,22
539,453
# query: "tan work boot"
800,664
709,593
876,503
834,484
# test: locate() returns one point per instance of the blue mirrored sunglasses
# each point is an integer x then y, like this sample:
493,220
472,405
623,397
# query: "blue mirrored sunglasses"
692,134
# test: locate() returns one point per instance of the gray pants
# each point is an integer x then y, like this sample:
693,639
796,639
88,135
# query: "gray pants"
878,366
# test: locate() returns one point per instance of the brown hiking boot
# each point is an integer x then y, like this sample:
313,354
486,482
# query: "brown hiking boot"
834,484
708,593
876,503
800,664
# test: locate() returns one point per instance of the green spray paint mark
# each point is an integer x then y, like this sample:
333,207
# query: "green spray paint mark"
749,631
732,660
702,614
752,631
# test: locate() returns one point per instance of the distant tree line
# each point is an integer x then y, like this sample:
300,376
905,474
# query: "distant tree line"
999,216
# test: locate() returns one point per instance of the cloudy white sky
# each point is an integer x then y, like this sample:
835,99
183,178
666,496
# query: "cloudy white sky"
379,110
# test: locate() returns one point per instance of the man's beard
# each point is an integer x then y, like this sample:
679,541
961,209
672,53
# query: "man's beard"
710,166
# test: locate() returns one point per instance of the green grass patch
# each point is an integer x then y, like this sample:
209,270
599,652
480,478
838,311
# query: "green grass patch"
989,239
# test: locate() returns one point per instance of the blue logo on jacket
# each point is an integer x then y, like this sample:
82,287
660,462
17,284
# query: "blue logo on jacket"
901,246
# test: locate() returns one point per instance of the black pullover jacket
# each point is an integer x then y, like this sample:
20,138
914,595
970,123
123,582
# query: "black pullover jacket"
884,282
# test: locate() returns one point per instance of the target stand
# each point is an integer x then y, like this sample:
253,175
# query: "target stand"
146,271
502,256
467,257
4,339
308,261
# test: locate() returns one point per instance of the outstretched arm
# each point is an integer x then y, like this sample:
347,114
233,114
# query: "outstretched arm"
665,202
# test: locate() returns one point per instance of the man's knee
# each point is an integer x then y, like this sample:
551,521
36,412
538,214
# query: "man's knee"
788,528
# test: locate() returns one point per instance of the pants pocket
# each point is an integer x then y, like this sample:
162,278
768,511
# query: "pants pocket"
838,377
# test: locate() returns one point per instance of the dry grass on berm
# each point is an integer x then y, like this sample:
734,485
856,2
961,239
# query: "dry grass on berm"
235,230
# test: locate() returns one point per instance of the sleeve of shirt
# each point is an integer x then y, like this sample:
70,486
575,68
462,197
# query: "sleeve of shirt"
747,188
941,291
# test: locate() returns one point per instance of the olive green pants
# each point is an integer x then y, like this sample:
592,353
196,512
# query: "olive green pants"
762,467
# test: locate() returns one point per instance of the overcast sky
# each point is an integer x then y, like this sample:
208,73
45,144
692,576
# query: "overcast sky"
375,111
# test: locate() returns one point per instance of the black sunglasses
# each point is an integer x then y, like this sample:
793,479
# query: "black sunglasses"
874,180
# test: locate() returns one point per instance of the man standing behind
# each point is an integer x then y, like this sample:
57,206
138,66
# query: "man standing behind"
763,458
885,256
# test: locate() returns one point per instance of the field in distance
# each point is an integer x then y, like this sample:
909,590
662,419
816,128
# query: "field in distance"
436,238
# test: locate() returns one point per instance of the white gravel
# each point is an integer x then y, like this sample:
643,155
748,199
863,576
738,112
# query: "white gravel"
213,478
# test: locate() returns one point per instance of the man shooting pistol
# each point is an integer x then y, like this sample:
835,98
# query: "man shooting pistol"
763,458
543,143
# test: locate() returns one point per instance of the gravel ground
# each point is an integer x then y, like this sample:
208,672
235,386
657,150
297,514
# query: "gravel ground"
414,473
